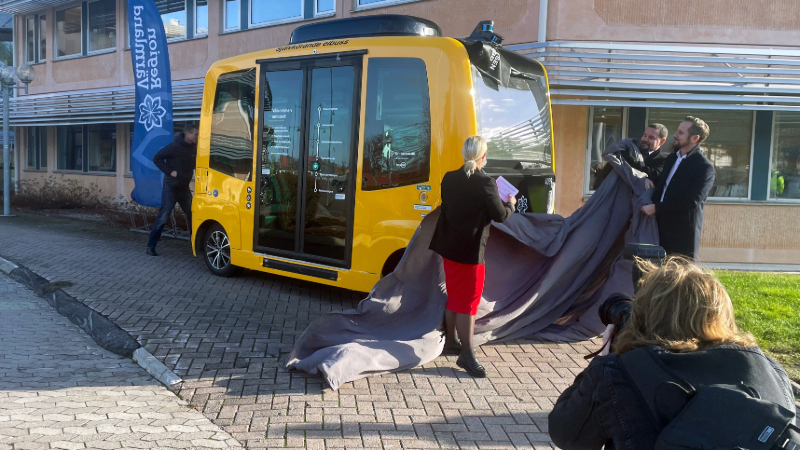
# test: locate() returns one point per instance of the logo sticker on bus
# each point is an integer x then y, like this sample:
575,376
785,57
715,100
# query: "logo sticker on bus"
423,208
423,187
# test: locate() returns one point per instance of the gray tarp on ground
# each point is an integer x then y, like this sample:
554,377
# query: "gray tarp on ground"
545,278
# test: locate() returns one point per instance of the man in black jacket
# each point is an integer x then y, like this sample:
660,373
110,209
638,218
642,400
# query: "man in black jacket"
682,190
177,160
651,161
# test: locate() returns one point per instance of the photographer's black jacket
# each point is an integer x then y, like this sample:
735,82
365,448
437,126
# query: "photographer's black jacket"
602,408
179,156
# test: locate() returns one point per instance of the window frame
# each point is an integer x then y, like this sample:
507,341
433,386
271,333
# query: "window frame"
40,148
37,38
366,107
25,34
357,6
789,201
318,14
714,199
224,16
251,25
587,191
87,38
84,170
254,125
194,17
83,30
188,27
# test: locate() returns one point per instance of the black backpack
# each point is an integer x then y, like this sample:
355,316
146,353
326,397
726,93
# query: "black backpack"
716,417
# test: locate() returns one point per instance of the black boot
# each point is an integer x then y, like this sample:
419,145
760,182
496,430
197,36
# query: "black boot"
452,348
152,251
471,366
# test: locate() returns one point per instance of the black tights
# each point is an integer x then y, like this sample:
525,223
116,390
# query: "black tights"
464,325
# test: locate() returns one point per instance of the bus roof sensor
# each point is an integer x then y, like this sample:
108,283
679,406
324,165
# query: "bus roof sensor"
366,26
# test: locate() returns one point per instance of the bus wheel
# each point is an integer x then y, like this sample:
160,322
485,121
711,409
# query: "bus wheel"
217,251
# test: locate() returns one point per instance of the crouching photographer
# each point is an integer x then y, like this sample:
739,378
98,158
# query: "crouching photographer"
680,375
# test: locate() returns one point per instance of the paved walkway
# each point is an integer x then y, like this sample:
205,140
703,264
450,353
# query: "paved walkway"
229,338
60,390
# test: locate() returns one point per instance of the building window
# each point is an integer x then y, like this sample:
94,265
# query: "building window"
728,147
365,4
785,161
231,150
201,17
397,141
69,26
30,39
607,127
42,37
324,7
37,148
232,15
70,147
87,148
35,41
102,25
7,39
266,11
173,14
102,147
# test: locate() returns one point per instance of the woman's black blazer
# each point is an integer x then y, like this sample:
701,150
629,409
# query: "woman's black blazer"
469,205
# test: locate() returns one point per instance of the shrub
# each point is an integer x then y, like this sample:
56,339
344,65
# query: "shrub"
66,194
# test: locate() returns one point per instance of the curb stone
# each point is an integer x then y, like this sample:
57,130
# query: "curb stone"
796,388
101,329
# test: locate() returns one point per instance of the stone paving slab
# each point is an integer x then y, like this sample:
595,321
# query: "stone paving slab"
60,390
229,339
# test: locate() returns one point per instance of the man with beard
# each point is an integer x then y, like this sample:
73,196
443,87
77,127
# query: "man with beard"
682,189
652,159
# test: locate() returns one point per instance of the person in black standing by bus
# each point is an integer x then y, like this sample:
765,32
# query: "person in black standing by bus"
470,202
177,160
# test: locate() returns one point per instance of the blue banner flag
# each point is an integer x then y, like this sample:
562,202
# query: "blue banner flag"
152,128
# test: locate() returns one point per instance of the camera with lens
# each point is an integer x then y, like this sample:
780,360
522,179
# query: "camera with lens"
616,309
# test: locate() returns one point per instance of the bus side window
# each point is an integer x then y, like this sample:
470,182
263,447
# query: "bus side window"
232,120
397,130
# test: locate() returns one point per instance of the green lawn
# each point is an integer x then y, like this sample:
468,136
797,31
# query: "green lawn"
768,305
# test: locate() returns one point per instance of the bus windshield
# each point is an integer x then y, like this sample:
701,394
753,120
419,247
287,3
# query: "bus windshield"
515,121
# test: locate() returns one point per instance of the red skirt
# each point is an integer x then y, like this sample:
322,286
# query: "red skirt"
464,284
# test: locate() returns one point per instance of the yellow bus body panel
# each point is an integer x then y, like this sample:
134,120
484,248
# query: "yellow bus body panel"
383,220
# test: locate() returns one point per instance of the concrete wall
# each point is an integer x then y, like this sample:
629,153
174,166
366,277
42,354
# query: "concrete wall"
725,22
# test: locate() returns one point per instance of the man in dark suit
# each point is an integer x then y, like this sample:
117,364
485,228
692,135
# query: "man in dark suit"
682,189
648,146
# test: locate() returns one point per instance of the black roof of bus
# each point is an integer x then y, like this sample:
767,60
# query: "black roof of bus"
365,26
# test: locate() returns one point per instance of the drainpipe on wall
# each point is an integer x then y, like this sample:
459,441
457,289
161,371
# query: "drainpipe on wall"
542,21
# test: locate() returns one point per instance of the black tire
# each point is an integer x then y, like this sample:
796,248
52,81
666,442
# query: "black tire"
217,251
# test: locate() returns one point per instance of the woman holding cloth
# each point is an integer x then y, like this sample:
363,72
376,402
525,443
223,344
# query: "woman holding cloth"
470,202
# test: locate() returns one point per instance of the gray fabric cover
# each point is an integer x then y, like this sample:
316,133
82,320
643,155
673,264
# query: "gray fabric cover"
545,278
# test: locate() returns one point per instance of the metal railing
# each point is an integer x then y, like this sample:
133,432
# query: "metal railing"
700,77
107,105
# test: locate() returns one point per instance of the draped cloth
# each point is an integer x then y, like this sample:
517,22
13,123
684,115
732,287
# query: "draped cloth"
546,276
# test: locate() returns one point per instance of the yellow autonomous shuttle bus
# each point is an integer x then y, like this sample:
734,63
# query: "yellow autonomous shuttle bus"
319,159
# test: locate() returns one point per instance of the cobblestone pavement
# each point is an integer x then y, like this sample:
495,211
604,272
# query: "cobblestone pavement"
60,390
229,338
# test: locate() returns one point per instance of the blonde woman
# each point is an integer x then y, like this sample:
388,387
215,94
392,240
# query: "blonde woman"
681,318
470,202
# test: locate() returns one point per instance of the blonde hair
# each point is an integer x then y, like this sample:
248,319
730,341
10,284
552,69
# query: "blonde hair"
681,308
473,151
